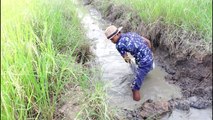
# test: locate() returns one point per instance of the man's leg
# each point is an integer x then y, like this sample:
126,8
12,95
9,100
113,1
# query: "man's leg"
137,83
136,89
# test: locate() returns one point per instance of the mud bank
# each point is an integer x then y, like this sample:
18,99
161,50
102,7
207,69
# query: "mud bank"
182,54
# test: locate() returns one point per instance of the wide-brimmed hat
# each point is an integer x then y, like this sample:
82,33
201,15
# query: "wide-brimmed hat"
111,31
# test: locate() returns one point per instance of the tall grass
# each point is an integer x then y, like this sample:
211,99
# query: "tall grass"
188,14
38,40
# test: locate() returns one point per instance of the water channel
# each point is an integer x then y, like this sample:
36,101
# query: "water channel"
117,74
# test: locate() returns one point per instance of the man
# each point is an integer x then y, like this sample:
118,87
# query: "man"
139,47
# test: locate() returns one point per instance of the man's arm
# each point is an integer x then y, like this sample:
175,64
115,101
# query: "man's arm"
147,41
122,50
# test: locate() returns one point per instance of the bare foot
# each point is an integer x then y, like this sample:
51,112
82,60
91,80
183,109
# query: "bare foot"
136,95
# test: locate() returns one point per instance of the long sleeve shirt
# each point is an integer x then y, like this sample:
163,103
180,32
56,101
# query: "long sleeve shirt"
136,46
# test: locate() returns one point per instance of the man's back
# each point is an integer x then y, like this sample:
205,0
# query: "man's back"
136,46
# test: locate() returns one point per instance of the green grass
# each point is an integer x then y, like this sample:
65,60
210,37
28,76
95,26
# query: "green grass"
94,105
187,14
40,40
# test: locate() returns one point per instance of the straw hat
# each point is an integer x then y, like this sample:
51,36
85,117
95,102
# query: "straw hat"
111,31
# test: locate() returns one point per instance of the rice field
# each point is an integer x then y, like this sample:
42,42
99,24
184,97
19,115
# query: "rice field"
39,44
40,40
188,14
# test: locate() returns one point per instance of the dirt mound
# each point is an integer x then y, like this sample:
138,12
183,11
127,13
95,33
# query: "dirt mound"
152,109
69,104
183,54
149,110
158,109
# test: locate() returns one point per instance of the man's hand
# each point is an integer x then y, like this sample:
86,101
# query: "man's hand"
126,58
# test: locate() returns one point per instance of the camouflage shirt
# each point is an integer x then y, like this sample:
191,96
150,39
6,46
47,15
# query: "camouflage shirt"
136,46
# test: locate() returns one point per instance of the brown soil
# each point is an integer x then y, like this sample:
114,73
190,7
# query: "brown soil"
69,104
181,53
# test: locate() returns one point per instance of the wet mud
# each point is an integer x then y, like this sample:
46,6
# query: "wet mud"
187,62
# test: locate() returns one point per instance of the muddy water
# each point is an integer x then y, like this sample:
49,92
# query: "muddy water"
193,114
117,74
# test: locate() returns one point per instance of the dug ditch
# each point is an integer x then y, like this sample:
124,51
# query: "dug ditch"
159,98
